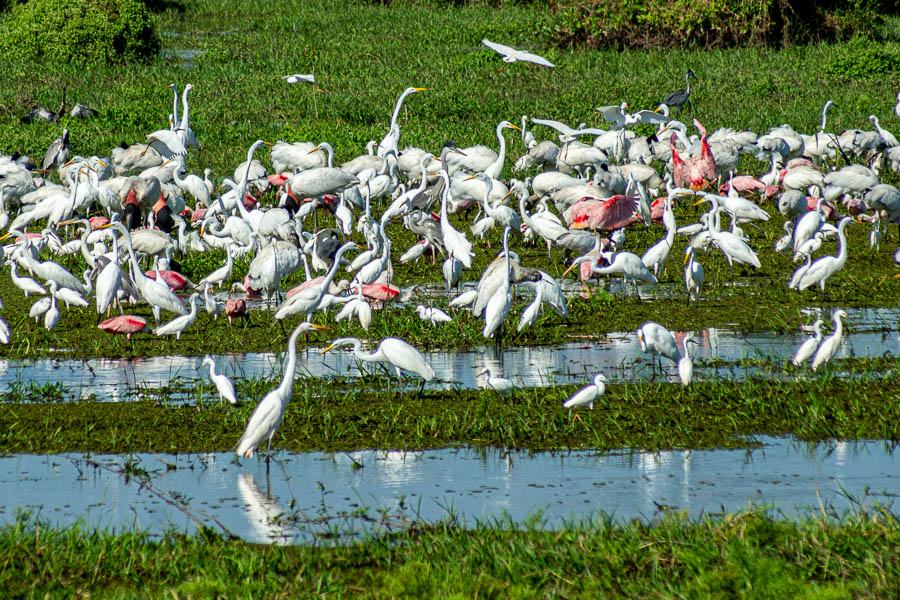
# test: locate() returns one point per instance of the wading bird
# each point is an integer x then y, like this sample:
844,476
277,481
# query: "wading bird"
808,347
393,351
829,345
266,417
222,383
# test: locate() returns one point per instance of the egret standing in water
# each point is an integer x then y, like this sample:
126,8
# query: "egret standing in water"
808,347
685,365
829,345
394,351
266,418
222,383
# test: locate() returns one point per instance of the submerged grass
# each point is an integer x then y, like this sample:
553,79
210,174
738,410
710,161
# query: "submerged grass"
750,554
374,414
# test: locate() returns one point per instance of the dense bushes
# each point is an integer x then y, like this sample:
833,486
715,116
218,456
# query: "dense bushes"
715,23
79,31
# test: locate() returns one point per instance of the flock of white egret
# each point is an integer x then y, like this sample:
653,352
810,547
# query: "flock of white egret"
147,207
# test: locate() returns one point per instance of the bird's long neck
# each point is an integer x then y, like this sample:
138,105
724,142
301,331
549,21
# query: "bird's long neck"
838,328
687,83
329,276
174,104
185,109
501,154
288,380
842,244
824,116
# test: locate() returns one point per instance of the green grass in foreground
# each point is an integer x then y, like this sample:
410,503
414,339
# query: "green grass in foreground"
744,555
335,416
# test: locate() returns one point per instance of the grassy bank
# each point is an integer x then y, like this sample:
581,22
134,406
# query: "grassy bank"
744,555
365,54
373,414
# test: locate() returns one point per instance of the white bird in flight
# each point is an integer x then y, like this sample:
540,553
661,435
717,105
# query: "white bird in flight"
299,78
511,55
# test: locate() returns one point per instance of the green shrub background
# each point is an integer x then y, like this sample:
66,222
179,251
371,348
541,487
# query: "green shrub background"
78,31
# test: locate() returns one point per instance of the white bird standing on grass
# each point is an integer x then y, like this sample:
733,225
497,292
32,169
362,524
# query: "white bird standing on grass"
588,394
222,383
179,324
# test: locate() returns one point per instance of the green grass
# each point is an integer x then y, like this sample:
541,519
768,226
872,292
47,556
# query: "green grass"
373,413
364,55
745,555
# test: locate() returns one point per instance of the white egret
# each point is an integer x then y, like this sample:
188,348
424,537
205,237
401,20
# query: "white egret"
499,304
588,394
307,300
266,417
26,284
394,351
655,256
222,273
531,313
693,274
432,315
222,383
51,317
821,271
511,55
658,341
829,345
809,345
685,365
496,383
154,292
391,140
179,324
455,242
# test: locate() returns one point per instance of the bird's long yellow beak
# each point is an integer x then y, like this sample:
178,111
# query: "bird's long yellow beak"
470,177
420,89
268,143
511,126
314,149
327,349
105,166
686,255
319,327
572,266
700,201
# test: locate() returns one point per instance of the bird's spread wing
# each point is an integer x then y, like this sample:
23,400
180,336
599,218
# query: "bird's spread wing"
534,58
557,125
649,116
504,50
611,113
167,143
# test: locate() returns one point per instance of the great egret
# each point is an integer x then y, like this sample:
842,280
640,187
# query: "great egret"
391,139
658,341
829,345
511,55
155,292
809,346
266,417
588,394
394,351
307,300
499,304
685,365
821,271
500,384
693,274
222,383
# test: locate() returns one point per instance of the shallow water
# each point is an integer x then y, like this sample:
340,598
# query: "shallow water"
871,333
310,493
